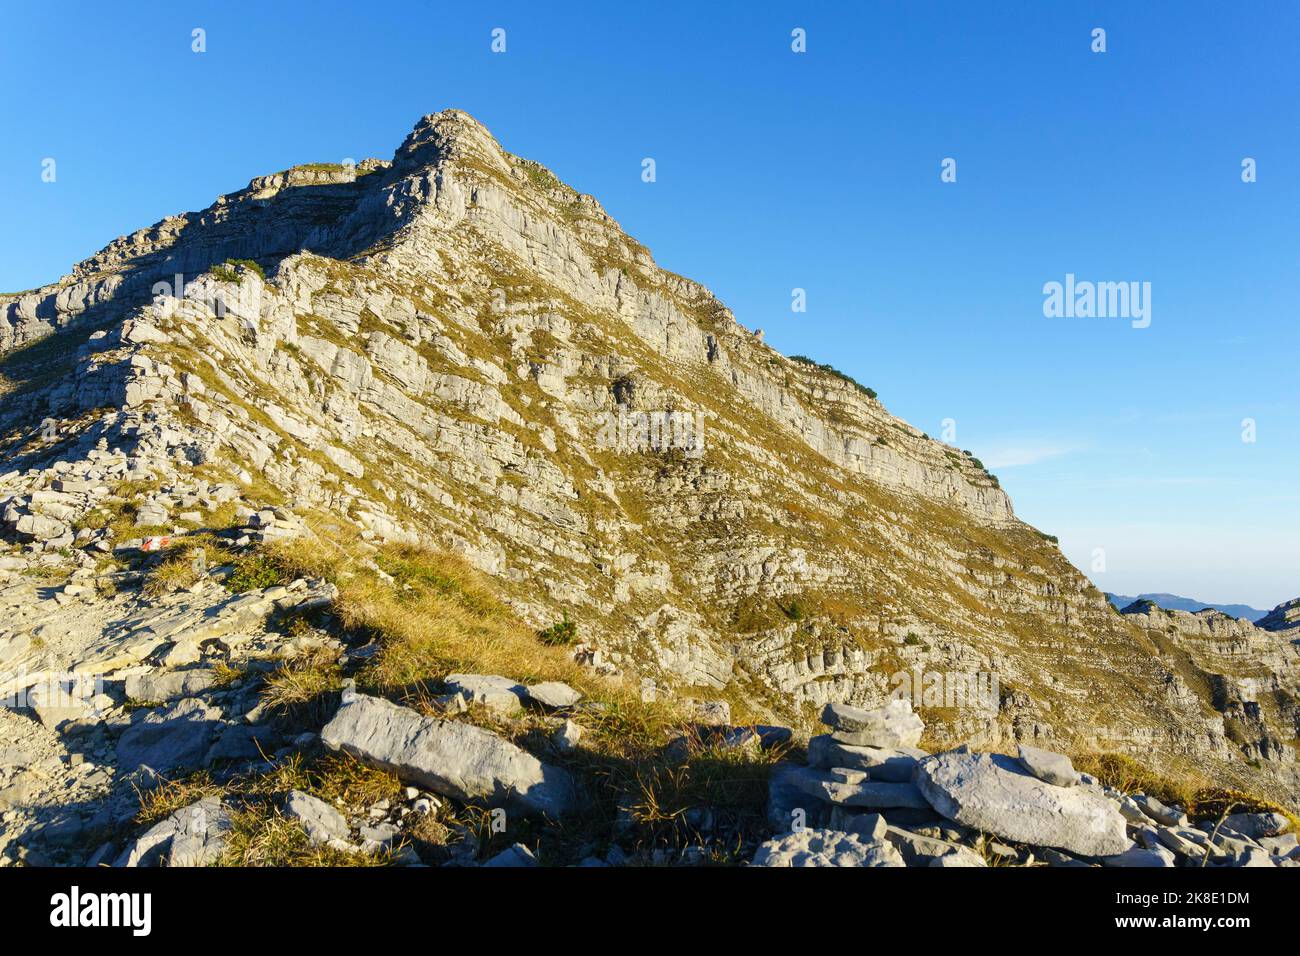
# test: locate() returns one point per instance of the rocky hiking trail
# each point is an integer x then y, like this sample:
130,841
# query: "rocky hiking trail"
315,549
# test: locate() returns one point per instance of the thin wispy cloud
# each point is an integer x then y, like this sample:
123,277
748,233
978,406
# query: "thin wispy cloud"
1019,455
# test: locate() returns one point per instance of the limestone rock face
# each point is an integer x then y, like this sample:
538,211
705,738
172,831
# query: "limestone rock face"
453,348
995,794
1251,670
174,739
166,685
1285,618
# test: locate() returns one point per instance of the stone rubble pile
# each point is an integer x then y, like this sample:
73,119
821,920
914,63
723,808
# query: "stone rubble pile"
104,692
57,515
876,800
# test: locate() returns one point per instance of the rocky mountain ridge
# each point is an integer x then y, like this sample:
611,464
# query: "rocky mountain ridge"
455,349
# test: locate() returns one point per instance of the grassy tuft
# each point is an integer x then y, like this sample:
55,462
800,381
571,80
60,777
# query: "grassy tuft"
1129,776
560,634
715,788
228,271
256,571
310,679
165,799
175,574
262,837
423,570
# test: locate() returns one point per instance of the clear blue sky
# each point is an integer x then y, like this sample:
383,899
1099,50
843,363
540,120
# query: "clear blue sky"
820,171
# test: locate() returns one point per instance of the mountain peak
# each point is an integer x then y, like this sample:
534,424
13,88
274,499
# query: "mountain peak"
455,351
449,134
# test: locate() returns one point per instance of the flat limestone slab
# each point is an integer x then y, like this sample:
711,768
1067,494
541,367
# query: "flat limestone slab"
491,690
826,848
894,725
880,763
807,848
322,822
1049,767
449,757
553,694
995,794
851,789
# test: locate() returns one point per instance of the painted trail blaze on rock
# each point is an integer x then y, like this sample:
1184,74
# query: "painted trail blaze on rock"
995,794
448,757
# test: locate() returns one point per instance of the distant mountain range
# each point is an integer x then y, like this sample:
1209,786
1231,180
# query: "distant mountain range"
1173,602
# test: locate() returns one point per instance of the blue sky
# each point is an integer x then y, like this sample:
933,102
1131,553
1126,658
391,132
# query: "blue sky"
821,171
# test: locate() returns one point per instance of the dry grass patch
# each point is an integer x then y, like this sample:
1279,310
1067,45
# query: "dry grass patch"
162,801
186,563
285,562
174,574
432,614
303,680
440,616
715,790
1127,775
262,837
1187,787
225,674
48,573
1214,803
338,779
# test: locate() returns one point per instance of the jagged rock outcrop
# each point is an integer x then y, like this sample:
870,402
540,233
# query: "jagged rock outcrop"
1283,619
455,348
1249,674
